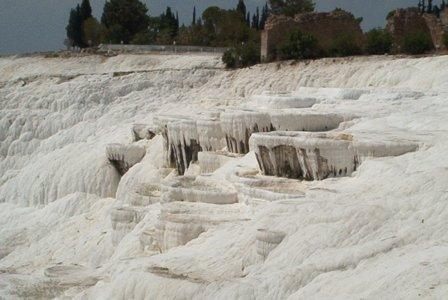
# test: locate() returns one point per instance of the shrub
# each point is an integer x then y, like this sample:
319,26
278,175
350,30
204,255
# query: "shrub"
229,58
379,41
345,45
445,39
417,43
298,46
141,38
242,56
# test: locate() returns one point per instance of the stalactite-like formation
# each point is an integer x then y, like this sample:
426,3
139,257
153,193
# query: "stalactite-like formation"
316,156
211,137
162,121
238,125
184,142
123,157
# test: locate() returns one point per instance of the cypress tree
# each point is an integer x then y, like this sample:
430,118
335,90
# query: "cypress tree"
241,8
86,10
194,16
429,10
264,16
248,19
437,11
74,28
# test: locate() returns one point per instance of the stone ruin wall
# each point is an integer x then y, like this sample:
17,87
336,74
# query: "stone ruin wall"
327,26
407,21
324,26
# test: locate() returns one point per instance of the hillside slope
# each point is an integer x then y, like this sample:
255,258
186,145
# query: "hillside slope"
380,233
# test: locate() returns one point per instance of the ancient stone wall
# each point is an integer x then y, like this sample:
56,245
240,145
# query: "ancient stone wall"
407,21
326,27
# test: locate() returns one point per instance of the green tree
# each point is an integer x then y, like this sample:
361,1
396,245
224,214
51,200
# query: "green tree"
256,20
74,28
193,22
345,45
224,27
242,56
378,41
417,43
445,39
299,46
291,7
429,9
124,18
86,10
264,16
93,32
241,8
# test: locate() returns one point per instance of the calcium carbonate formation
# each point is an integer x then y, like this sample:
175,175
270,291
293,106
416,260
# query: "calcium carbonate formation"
198,189
211,137
276,100
123,220
181,222
268,240
184,142
210,161
255,189
304,120
123,157
316,156
143,131
144,194
238,126
162,121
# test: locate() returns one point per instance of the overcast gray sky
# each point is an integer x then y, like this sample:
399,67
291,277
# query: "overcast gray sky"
39,25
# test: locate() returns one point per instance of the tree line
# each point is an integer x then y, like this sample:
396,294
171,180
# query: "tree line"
129,22
427,6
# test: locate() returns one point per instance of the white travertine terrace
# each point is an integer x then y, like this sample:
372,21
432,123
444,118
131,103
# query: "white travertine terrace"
162,121
123,220
144,194
378,234
238,125
147,239
210,161
184,142
71,274
198,189
316,156
181,222
123,157
210,135
304,120
255,189
268,240
143,131
278,100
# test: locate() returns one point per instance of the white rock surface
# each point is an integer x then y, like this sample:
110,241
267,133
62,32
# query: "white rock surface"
238,125
380,233
278,100
317,156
